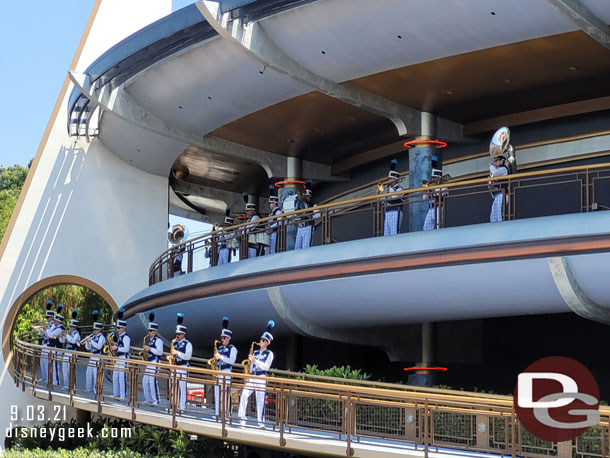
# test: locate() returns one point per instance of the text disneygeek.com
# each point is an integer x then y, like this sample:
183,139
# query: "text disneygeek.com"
68,432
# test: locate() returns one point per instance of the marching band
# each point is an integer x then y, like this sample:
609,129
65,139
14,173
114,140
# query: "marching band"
118,346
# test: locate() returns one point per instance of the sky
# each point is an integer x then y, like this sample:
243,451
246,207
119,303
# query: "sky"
39,38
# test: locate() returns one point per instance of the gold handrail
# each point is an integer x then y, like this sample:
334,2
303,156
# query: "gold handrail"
373,198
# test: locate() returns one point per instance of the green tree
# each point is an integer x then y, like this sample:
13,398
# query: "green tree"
11,182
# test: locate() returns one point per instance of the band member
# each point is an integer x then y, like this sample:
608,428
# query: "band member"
275,211
225,356
71,339
434,217
305,229
182,351
260,363
154,350
497,169
54,333
393,207
226,246
121,350
44,354
94,343
254,248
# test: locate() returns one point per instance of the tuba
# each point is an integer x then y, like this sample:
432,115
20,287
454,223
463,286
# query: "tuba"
246,362
500,146
212,361
177,234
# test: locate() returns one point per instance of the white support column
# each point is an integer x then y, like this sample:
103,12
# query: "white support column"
83,215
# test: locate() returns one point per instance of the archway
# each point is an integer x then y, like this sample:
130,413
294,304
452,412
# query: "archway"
11,317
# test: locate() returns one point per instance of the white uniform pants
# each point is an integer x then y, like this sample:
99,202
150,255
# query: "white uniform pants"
223,256
181,375
223,382
393,220
119,378
303,239
433,218
66,368
150,384
272,248
251,253
91,374
44,365
56,366
258,387
496,208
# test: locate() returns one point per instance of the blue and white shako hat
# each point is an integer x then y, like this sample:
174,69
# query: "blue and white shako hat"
58,316
273,198
436,170
249,205
180,329
308,191
49,313
393,173
225,328
228,220
74,321
152,326
267,334
96,324
120,322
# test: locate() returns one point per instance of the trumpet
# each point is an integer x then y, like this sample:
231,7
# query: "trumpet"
246,362
39,325
86,338
212,361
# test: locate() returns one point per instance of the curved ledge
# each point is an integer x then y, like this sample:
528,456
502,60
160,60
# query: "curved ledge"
573,295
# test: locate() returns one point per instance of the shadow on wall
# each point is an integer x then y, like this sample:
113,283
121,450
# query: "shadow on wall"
47,221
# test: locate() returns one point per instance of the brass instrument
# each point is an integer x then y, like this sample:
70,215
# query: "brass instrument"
144,353
39,325
170,357
212,362
246,362
85,339
107,350
435,181
500,146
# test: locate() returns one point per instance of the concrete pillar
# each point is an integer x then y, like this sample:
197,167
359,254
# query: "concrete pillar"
420,168
294,171
425,377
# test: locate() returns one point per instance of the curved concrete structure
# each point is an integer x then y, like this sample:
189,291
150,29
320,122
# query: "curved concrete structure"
479,271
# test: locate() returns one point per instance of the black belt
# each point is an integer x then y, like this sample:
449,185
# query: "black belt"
182,363
122,354
96,352
224,245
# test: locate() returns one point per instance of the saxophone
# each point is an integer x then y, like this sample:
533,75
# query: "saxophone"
144,353
246,362
170,357
212,361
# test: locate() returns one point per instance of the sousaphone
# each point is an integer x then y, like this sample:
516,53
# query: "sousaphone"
178,233
500,146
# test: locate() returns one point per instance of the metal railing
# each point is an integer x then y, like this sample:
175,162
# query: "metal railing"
392,416
526,195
